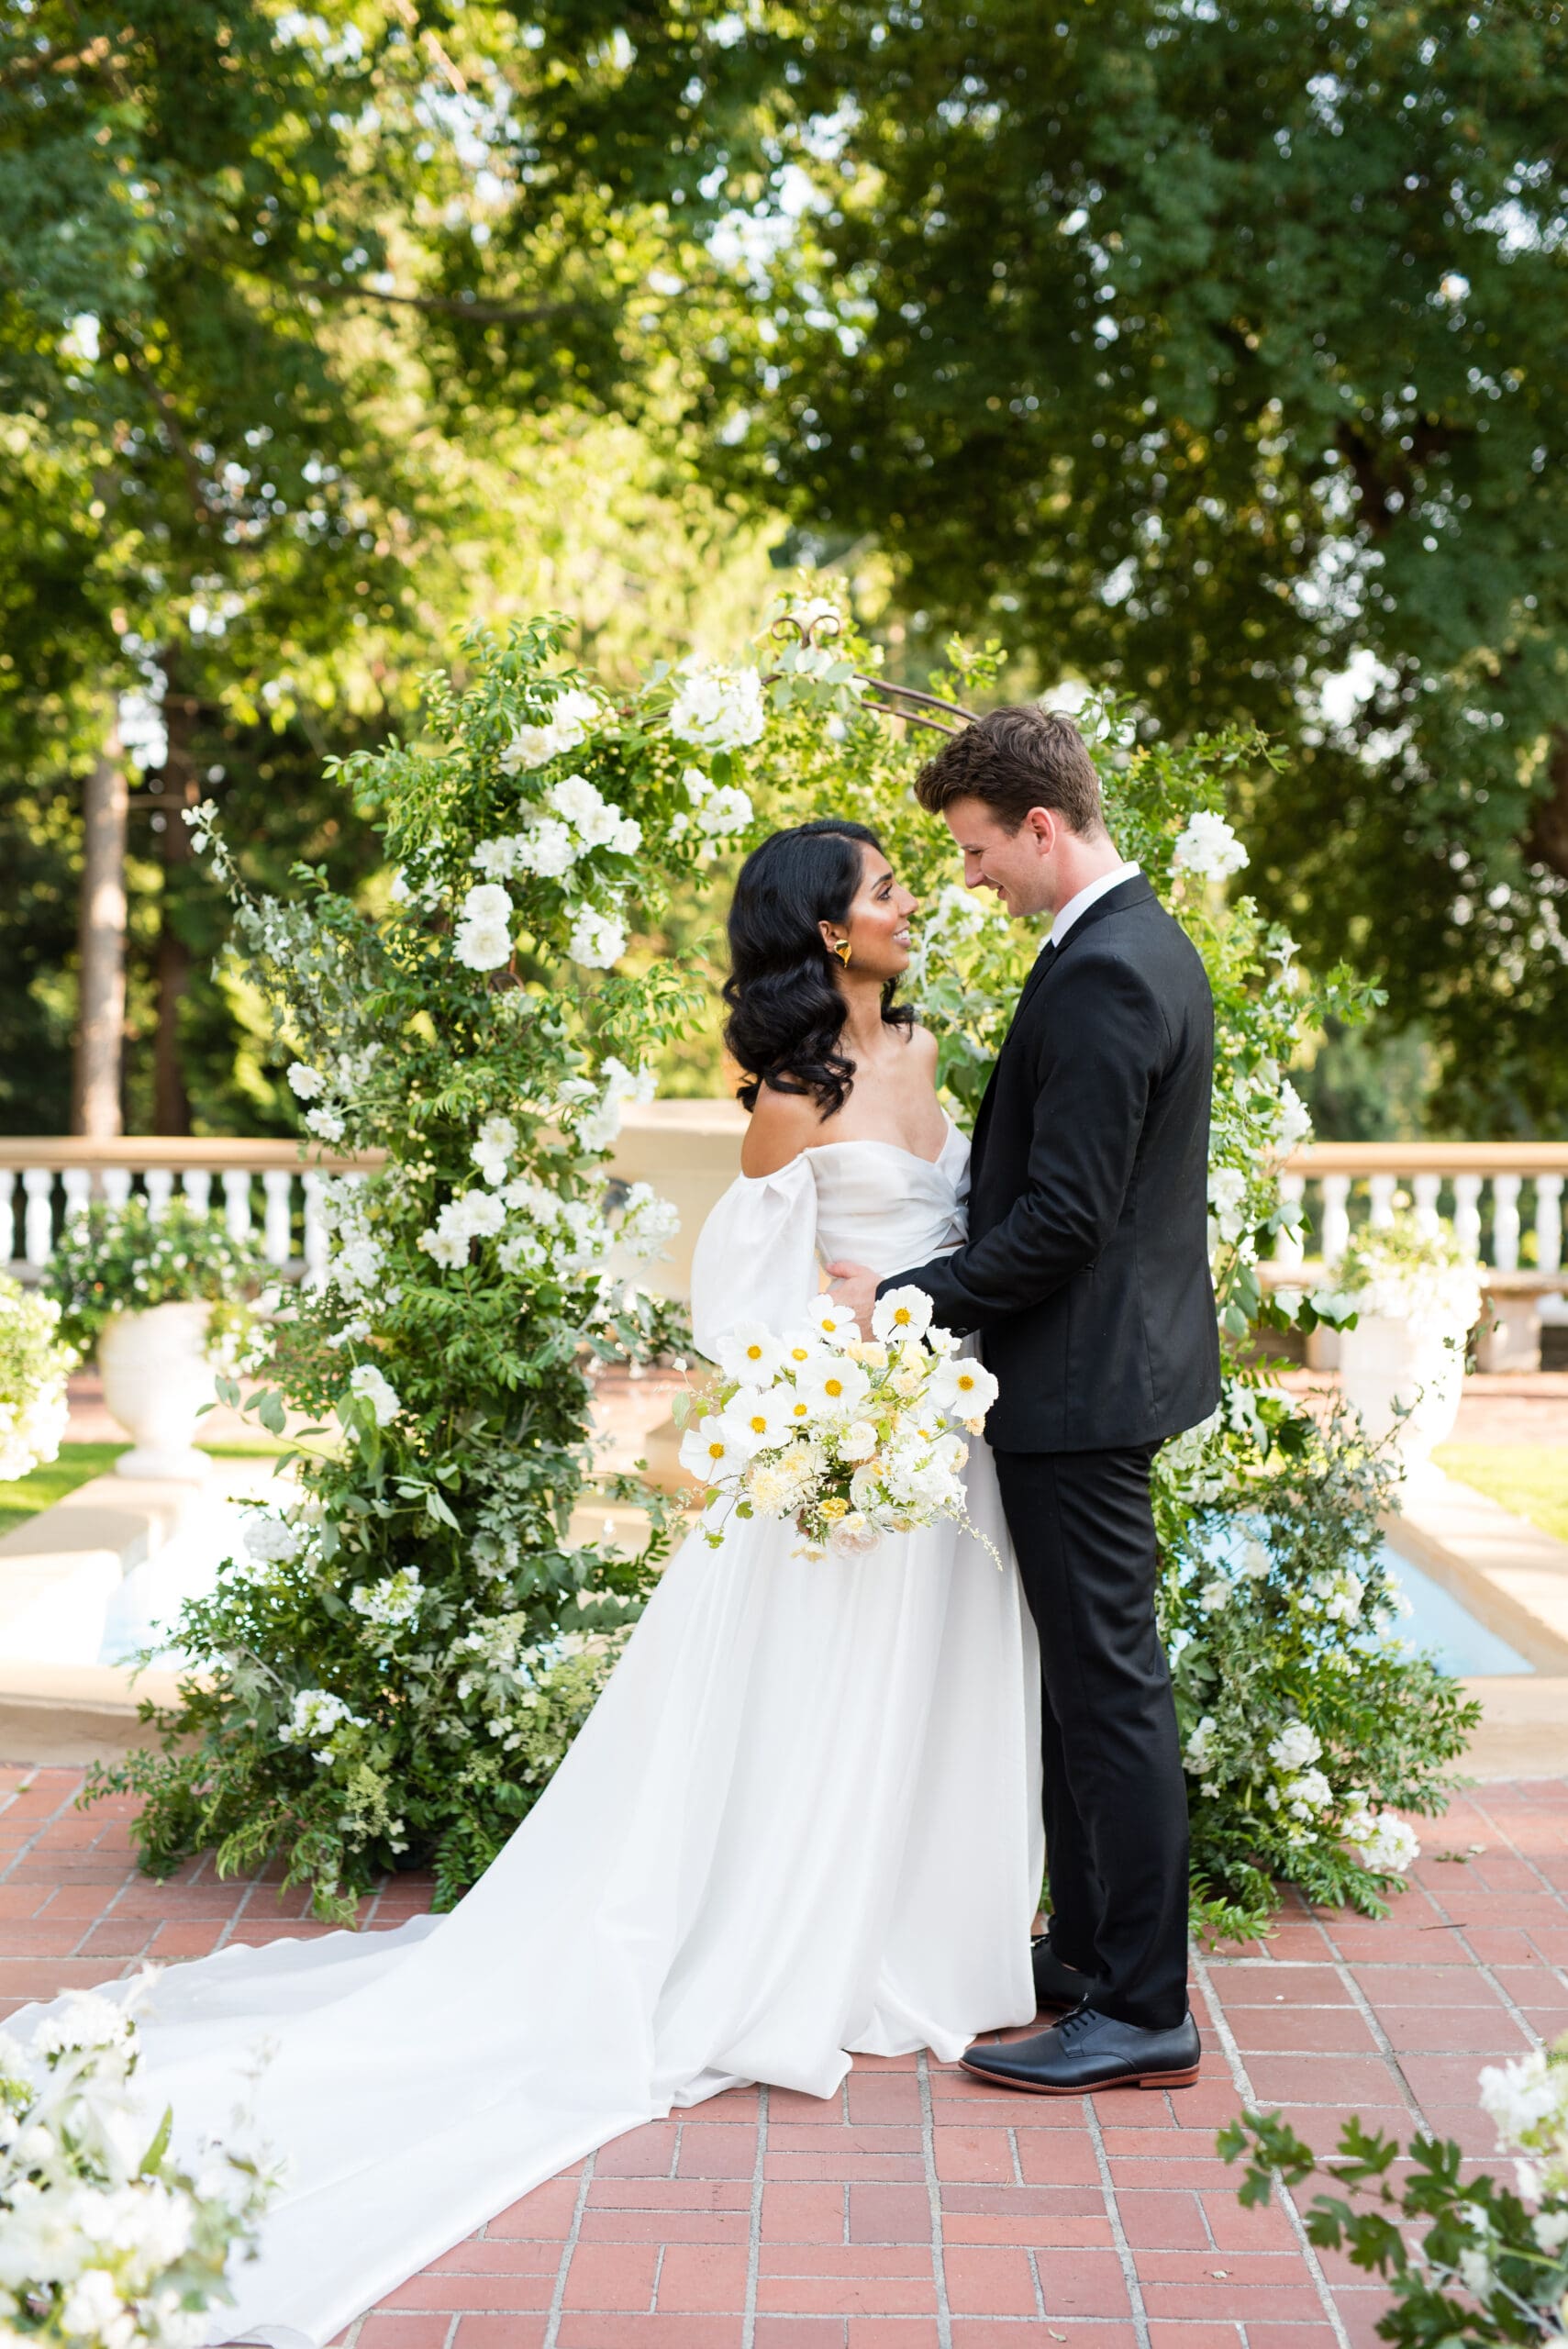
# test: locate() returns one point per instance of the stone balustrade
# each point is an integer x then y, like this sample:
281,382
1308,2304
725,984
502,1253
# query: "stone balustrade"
270,1188
1505,1199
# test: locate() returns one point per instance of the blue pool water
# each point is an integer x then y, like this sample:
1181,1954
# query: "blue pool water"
1438,1622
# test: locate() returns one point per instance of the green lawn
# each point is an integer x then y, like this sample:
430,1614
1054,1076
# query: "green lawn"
1532,1479
80,1461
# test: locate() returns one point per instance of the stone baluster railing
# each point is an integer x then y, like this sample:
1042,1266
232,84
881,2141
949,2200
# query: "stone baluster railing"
260,1186
1482,1188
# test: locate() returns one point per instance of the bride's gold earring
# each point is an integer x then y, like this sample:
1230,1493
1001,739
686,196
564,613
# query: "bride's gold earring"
843,950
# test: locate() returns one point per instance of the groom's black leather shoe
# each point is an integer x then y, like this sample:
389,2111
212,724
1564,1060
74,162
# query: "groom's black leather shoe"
1086,2050
1056,1984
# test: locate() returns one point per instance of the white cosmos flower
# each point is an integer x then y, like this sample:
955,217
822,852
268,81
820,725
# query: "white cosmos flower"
759,1418
834,1386
963,1387
1209,848
708,1451
482,940
750,1353
598,940
834,1324
901,1313
796,1348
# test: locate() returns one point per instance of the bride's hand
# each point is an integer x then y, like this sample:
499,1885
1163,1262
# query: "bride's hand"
855,1286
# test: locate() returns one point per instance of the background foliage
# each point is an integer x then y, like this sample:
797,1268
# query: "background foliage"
1210,356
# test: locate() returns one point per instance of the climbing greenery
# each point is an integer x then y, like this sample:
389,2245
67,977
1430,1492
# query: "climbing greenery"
389,1674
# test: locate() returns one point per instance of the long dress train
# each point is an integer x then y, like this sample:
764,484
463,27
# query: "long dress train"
802,1820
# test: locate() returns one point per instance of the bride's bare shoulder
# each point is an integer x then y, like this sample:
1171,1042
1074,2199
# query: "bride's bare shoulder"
922,1044
781,1126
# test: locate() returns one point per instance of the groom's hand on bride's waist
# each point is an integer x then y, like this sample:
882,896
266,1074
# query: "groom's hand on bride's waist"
853,1286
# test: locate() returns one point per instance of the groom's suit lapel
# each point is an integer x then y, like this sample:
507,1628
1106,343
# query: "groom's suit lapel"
1134,891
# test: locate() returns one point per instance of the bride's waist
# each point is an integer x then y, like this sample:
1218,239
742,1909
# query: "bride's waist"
880,1260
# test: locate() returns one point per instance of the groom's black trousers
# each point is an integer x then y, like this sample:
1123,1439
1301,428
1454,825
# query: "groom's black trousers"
1116,1804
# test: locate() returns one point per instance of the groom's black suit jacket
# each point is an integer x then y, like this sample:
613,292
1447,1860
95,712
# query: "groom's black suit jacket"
1086,1266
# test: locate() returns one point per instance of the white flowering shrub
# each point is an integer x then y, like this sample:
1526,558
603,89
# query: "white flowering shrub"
1398,1272
1275,1605
35,1365
1470,2263
382,1674
106,2241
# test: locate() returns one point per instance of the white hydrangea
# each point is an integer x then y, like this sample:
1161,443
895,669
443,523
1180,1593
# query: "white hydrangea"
271,1539
316,1718
717,708
494,1149
382,1395
570,716
598,940
1380,1840
482,940
392,1602
1296,1747
85,2019
1208,849
1307,1794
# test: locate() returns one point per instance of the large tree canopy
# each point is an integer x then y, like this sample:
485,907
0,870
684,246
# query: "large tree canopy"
1212,352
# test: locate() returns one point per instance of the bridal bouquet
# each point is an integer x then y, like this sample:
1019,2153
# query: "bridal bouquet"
850,1438
105,2241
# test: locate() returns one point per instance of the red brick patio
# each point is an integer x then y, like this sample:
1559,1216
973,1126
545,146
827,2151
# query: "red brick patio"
917,2211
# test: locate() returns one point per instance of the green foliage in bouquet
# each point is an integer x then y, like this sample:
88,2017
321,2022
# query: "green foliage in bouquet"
1470,2263
112,1260
390,1672
34,1367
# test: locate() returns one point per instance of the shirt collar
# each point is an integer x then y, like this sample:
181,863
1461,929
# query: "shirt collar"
1070,912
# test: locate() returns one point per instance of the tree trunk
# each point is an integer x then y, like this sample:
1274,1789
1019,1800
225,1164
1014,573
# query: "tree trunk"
1547,840
100,1024
171,1105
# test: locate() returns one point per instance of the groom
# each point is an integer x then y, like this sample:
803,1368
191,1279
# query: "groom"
1087,1275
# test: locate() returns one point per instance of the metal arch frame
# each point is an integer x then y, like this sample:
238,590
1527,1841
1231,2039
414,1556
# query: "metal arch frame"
827,626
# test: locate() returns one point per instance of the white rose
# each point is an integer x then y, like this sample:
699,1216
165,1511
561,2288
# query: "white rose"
483,938
858,1441
367,1380
1208,849
307,1083
598,940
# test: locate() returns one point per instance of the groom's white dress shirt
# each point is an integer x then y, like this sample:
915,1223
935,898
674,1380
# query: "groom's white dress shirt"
1086,897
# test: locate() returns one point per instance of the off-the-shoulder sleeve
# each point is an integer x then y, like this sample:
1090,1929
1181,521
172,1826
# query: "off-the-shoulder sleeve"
756,1255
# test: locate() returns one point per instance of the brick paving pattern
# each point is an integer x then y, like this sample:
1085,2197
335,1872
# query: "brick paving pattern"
918,2210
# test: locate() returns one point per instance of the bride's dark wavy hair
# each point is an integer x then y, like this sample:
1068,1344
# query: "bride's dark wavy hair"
786,1014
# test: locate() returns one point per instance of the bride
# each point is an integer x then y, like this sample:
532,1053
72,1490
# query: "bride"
803,1820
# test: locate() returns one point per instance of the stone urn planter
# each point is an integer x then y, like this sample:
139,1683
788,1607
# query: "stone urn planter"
1416,1299
1388,1366
157,1374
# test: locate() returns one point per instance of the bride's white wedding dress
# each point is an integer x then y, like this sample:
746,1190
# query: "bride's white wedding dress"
803,1820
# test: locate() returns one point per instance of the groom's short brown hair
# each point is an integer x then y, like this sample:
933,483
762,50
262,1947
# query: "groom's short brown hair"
1015,759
